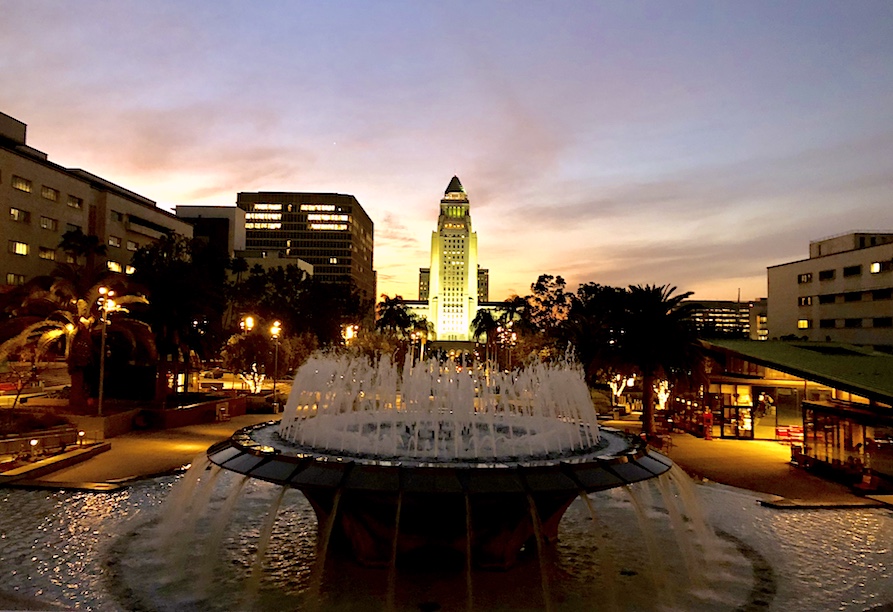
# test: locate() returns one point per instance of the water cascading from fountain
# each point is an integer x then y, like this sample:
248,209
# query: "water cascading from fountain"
434,412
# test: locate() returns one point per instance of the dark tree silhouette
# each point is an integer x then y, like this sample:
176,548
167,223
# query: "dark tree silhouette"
657,337
393,315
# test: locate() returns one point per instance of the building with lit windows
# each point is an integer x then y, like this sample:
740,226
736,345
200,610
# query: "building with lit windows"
721,318
41,200
843,292
329,231
454,286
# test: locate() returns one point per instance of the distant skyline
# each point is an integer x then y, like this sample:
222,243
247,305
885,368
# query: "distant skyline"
689,143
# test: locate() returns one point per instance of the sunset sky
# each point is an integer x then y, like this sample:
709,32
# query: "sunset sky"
689,143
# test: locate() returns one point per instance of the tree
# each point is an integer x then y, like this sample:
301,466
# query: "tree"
594,328
422,330
185,283
58,319
484,324
393,316
549,304
76,244
658,338
252,355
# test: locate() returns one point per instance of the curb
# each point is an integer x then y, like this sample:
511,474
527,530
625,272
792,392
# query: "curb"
52,464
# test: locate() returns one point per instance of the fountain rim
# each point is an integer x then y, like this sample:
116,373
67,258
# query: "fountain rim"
314,470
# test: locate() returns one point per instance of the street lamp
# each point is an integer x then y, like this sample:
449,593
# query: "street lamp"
247,324
349,332
275,330
106,304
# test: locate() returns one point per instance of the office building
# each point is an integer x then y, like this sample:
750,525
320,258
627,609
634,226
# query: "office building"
721,318
329,231
843,292
41,200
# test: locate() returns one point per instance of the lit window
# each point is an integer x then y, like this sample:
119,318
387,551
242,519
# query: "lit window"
114,266
805,300
129,269
49,193
263,226
805,278
114,241
75,202
328,226
48,223
328,217
132,246
46,253
875,267
333,260
317,207
264,216
19,216
18,248
267,207
804,324
22,184
15,279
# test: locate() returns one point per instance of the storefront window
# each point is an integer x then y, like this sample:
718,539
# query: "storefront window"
848,445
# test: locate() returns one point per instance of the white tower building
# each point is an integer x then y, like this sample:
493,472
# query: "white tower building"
453,276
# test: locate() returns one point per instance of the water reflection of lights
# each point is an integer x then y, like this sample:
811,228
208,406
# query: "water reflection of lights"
57,545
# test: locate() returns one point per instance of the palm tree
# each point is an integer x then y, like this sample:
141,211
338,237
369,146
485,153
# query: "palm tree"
58,318
423,331
75,243
658,338
392,315
484,324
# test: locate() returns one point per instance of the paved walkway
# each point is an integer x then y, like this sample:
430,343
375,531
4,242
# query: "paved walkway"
757,465
760,466
147,453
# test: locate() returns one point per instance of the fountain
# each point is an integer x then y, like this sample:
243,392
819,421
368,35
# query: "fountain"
437,461
408,477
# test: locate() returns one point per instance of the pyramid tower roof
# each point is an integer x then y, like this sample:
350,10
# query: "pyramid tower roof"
454,186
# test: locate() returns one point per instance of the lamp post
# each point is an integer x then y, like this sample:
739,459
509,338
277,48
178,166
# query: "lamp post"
106,304
275,330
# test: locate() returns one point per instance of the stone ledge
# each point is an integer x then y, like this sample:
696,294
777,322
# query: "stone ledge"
51,464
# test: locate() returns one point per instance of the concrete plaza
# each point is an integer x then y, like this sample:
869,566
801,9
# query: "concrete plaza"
756,465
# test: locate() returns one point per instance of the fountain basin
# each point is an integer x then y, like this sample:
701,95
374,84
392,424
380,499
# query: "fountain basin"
485,513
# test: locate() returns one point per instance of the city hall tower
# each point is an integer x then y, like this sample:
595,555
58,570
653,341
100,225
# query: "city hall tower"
452,280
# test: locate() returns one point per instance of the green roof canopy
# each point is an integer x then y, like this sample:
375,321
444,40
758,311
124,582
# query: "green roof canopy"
855,369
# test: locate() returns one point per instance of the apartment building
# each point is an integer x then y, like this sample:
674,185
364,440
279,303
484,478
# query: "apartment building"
41,200
843,292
